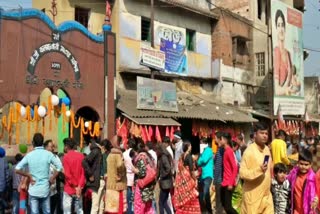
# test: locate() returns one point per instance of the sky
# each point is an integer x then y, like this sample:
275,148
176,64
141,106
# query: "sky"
311,31
311,34
14,4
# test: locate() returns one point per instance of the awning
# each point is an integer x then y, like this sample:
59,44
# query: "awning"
190,106
258,113
153,121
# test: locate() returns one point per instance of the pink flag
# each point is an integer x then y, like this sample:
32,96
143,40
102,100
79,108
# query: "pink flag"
150,132
167,131
158,135
172,133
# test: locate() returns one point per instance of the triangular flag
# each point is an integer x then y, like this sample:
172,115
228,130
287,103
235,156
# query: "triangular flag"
147,134
171,133
143,134
167,131
150,132
158,135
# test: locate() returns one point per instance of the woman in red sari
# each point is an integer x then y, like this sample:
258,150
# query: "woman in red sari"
185,198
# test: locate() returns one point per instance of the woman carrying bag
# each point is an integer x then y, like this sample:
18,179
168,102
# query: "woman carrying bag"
165,178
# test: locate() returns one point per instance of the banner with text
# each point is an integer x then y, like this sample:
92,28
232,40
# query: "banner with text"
172,41
288,71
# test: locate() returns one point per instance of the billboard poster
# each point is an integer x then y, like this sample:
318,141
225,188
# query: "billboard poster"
156,95
172,41
288,72
318,96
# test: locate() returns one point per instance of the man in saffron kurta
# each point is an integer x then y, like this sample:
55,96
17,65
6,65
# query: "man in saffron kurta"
257,197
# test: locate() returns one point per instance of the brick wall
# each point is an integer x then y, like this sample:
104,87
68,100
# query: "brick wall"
241,7
222,33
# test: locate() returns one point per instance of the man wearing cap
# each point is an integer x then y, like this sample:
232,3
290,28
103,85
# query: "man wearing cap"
38,162
177,141
4,178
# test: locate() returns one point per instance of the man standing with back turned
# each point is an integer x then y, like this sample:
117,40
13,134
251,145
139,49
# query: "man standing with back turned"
38,162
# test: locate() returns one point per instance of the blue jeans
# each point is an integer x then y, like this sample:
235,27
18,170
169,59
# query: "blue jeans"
163,201
39,203
3,203
15,201
205,196
129,200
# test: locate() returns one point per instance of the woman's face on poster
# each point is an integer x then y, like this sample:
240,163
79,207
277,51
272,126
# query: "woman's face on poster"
281,28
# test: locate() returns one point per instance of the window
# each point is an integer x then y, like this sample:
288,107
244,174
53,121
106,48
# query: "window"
145,29
81,15
190,40
259,9
260,64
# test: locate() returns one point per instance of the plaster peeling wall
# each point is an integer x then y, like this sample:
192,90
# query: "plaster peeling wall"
231,90
199,61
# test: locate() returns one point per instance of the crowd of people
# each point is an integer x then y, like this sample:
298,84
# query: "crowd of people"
250,178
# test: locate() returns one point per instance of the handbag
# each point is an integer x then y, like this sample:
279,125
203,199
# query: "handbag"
151,172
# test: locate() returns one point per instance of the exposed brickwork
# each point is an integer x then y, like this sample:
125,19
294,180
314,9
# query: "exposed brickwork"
240,7
228,26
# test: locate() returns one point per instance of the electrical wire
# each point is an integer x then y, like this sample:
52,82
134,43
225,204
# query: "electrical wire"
312,49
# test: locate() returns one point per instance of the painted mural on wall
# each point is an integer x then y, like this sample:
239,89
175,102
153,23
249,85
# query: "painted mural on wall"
287,59
172,42
156,95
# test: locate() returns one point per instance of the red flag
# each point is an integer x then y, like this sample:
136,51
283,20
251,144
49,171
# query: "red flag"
150,132
143,134
147,134
167,131
172,133
158,135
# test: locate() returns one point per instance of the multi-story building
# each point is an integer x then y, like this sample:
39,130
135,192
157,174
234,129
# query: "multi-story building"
258,12
192,26
90,14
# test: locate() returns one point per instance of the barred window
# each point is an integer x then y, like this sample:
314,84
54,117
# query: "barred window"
260,64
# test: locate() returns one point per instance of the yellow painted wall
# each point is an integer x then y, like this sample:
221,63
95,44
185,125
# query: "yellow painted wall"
66,11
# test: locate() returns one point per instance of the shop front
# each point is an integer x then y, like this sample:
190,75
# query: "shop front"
198,116
53,79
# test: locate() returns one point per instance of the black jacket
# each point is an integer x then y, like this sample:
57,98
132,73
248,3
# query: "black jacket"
92,166
165,171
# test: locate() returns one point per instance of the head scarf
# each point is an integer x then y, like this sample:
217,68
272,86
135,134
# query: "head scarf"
2,152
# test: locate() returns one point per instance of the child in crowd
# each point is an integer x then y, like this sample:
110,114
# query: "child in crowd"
303,185
16,179
280,189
